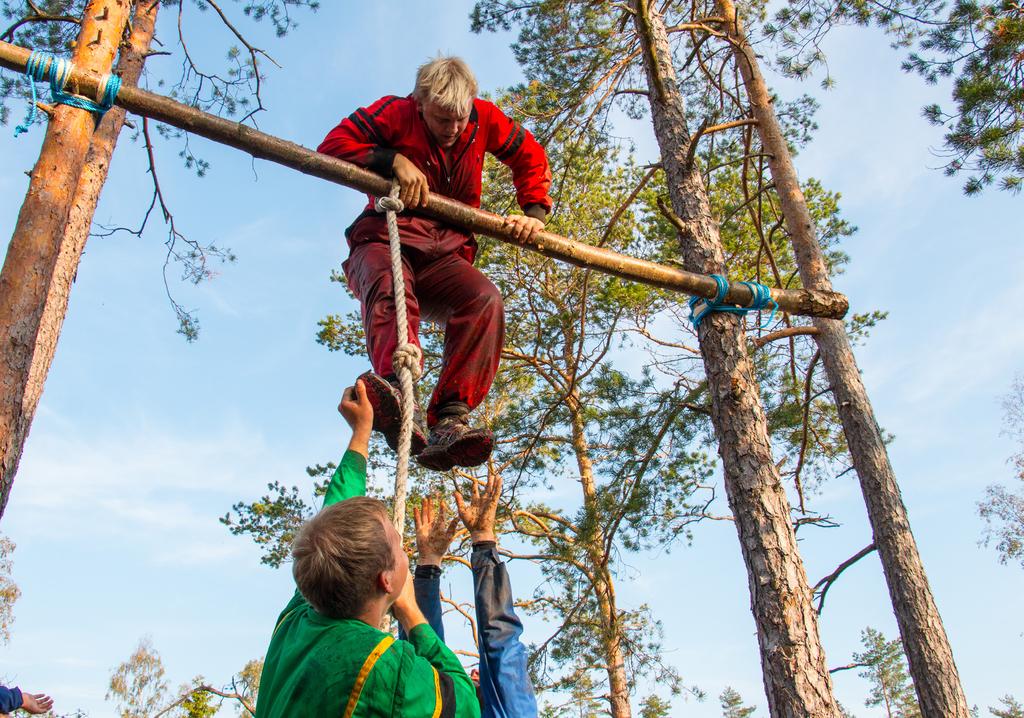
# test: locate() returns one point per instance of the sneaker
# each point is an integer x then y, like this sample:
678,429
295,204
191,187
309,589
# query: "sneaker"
453,443
387,413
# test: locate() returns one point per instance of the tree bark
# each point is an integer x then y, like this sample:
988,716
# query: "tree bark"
87,195
929,654
263,146
32,255
796,679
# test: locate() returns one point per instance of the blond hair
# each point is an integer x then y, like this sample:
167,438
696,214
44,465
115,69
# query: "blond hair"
448,82
338,555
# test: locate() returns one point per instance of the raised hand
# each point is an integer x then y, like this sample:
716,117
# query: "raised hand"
434,532
478,513
355,407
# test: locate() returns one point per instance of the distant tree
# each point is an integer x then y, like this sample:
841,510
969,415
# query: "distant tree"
886,669
247,684
653,706
1011,708
137,686
139,689
1003,508
197,703
732,704
9,591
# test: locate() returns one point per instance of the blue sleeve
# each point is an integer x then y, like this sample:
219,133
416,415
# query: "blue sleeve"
426,584
504,678
10,699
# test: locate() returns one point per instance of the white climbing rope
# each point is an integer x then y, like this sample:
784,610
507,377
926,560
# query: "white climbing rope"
407,357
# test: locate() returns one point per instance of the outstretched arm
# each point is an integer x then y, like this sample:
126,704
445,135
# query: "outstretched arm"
516,147
434,533
350,477
11,699
504,677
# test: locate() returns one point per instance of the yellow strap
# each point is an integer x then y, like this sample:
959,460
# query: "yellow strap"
364,672
283,619
437,694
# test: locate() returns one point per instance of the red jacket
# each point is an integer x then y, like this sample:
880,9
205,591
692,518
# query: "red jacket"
371,136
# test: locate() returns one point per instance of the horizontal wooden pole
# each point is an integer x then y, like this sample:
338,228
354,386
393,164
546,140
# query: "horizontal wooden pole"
267,147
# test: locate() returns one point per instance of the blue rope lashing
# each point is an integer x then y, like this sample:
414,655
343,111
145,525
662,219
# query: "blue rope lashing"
700,307
43,67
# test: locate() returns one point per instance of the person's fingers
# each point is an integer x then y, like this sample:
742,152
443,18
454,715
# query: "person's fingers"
495,482
453,526
460,503
361,392
406,187
417,518
476,490
417,192
349,394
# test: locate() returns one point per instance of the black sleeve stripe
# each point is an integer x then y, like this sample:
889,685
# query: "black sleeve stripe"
447,695
382,161
363,127
387,102
504,153
374,132
508,140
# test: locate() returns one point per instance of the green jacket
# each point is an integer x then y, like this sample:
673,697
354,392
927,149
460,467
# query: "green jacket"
344,668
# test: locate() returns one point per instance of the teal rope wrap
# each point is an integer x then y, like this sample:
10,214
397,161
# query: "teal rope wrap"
43,67
762,299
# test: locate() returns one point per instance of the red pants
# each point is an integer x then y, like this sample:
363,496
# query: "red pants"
442,285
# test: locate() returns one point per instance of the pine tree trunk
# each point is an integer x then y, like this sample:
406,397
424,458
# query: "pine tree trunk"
32,255
924,637
603,583
87,196
797,682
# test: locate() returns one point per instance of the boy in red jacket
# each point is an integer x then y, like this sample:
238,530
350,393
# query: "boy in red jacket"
434,141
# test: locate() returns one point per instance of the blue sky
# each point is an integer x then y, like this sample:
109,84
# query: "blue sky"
142,441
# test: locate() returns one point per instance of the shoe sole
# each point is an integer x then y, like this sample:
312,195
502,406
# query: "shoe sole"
434,458
472,450
387,413
468,451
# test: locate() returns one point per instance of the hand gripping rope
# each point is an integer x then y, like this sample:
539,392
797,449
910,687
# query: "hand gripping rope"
762,299
43,67
407,357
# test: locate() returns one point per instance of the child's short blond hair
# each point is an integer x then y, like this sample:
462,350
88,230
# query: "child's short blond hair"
448,82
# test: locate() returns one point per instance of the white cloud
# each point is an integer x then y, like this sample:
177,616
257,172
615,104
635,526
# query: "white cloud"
156,488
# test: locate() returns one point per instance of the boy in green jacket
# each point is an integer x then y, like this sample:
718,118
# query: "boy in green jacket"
327,656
